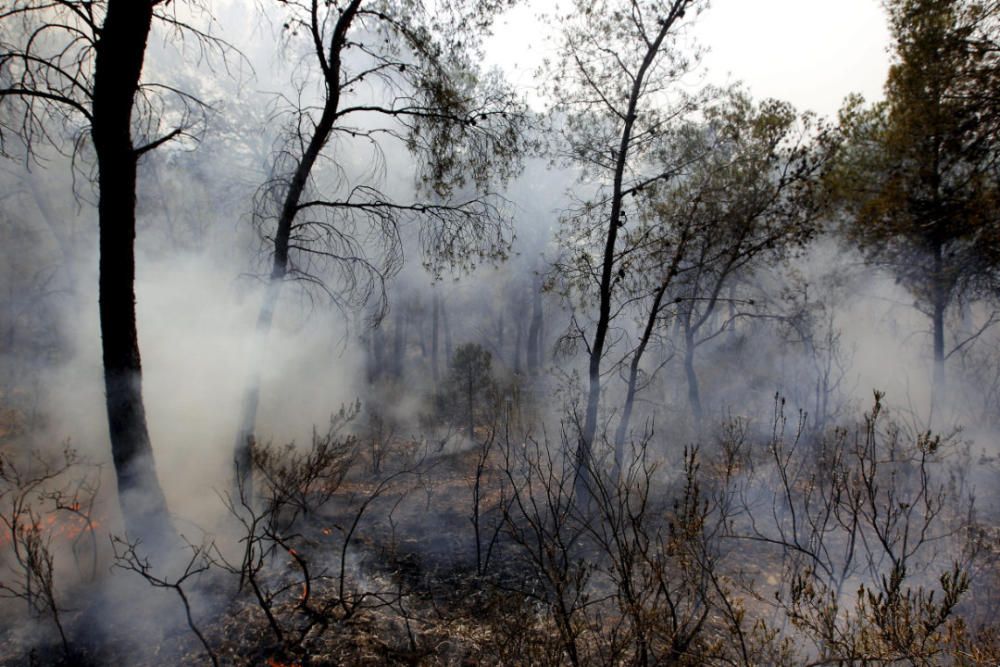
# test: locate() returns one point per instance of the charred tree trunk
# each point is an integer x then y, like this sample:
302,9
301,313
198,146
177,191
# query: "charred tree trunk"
633,378
282,238
119,59
640,350
584,455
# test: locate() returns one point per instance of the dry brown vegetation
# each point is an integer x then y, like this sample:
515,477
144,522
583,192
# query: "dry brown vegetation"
759,546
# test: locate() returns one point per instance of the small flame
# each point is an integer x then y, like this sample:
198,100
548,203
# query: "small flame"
274,662
54,525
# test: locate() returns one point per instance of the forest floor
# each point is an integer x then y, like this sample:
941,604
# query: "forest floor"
387,571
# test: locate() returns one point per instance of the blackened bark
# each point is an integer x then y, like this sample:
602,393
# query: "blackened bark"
282,237
584,456
633,376
647,332
119,57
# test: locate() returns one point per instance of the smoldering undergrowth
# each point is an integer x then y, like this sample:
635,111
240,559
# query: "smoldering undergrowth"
767,543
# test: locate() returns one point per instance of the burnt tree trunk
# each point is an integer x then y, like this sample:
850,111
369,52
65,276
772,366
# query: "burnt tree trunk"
120,53
584,451
282,237
633,377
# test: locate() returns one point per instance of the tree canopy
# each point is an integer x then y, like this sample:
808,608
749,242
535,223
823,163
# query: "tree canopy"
917,174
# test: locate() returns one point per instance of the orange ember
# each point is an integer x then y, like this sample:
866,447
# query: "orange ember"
274,662
60,528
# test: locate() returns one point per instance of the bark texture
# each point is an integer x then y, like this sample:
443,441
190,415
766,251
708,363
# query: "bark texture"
119,59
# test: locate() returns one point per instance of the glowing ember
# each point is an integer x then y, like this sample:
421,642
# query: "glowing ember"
63,527
274,662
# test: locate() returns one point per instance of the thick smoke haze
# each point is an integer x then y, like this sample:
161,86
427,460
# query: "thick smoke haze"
452,490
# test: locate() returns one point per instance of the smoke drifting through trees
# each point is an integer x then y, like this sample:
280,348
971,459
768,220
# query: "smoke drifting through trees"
496,484
431,100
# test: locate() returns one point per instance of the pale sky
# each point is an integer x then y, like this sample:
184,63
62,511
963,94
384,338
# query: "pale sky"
811,53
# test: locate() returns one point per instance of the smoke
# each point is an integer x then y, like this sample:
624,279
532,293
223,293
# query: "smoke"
829,331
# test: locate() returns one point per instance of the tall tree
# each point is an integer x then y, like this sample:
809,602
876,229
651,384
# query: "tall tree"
71,74
917,174
752,196
387,71
739,189
612,96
